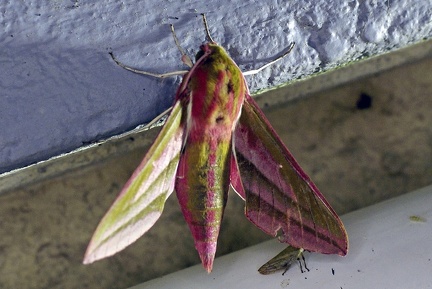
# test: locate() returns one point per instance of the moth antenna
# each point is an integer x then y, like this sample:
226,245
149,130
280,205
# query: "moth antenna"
207,29
185,58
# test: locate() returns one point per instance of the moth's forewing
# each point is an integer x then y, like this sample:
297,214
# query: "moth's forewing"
141,201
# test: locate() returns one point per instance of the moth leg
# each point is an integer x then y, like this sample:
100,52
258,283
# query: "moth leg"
286,269
157,119
304,262
255,71
134,70
185,58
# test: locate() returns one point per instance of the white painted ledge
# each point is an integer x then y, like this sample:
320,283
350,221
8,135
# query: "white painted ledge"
387,250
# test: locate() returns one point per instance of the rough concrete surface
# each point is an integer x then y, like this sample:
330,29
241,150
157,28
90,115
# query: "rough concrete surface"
357,152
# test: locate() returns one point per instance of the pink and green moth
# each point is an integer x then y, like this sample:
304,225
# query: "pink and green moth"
214,138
